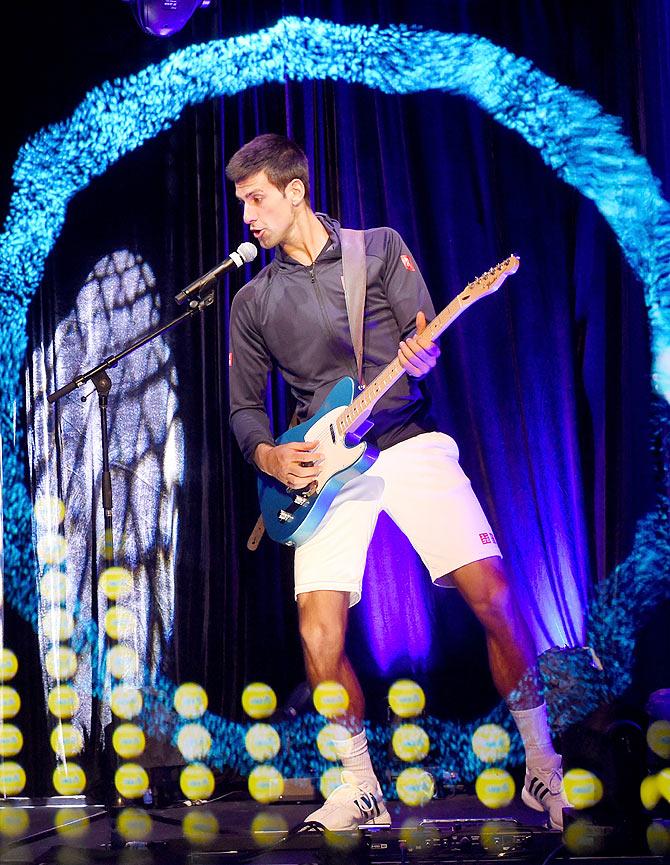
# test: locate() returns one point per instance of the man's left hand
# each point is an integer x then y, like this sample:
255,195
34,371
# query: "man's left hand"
414,358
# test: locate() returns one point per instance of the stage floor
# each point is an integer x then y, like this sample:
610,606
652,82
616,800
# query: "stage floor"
71,831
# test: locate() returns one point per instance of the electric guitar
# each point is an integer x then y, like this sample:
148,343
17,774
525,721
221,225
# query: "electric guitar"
291,516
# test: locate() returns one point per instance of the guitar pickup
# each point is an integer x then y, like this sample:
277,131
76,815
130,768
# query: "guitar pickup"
284,516
299,499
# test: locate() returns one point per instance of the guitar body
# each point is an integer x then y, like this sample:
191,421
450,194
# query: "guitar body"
292,516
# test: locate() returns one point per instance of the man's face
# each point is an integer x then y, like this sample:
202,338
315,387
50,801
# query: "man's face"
268,212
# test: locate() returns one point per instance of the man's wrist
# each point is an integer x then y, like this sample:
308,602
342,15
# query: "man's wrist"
260,455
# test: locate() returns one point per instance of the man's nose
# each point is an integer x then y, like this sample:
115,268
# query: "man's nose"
248,215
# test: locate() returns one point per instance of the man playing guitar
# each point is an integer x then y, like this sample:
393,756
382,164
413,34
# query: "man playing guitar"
293,314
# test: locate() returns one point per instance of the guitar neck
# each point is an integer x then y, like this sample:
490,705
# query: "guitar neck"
363,404
360,408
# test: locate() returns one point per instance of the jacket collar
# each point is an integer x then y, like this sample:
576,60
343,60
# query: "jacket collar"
332,249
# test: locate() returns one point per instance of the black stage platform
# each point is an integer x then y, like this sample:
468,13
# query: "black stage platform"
456,829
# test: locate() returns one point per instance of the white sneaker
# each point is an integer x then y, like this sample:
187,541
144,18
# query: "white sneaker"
354,803
543,790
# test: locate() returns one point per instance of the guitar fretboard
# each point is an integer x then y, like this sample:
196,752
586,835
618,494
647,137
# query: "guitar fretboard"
363,404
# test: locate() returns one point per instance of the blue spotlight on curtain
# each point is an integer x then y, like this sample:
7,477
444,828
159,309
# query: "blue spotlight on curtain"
164,17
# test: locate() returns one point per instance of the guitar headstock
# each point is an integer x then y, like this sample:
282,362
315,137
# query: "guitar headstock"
490,281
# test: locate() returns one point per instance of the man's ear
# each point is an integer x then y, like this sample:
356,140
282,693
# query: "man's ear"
295,191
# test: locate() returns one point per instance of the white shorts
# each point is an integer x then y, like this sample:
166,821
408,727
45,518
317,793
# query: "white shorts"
422,487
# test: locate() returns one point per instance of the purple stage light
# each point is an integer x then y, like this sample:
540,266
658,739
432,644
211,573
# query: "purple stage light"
164,17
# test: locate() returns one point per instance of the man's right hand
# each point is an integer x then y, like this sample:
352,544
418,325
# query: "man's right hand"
295,464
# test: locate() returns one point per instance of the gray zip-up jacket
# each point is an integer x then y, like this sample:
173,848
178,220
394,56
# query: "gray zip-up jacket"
295,316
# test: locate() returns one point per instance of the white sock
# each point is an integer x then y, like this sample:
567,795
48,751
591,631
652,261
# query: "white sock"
533,728
355,757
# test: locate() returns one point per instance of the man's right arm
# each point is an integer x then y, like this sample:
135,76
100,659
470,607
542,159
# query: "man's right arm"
250,363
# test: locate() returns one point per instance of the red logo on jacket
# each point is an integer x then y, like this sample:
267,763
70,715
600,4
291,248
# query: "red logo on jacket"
407,262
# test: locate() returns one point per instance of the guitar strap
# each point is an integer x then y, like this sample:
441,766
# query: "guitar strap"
354,282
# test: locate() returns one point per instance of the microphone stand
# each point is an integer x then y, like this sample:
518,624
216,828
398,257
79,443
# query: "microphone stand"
103,385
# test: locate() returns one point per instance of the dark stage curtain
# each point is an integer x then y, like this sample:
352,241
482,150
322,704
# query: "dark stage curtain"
545,386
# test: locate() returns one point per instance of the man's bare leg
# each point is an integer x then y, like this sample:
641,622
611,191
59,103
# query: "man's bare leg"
512,656
323,619
513,660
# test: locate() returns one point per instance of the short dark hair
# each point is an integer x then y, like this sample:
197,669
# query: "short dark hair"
279,157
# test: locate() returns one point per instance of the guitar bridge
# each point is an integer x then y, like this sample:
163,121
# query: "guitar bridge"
284,516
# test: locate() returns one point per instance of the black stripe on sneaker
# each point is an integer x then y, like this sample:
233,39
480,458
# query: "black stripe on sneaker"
538,789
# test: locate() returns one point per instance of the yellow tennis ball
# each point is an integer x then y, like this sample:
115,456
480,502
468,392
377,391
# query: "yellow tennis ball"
116,582
259,700
495,788
11,740
663,781
63,701
9,665
67,740
71,822
582,788
582,838
411,832
266,784
406,698
14,822
61,662
52,549
190,700
120,622
131,781
10,702
330,780
128,741
341,842
134,824
650,795
12,778
57,624
415,786
326,738
53,587
200,827
126,702
49,511
196,781
194,741
496,836
658,738
266,827
69,779
262,742
410,742
491,743
658,838
330,699
123,661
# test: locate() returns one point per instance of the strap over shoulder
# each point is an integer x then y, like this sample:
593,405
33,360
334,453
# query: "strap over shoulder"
354,281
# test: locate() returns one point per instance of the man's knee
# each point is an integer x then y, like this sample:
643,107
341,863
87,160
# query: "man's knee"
486,588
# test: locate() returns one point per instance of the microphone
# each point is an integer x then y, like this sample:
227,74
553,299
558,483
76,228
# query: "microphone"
244,253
